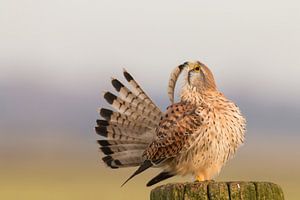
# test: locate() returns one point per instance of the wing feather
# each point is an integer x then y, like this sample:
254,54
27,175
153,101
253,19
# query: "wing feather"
174,132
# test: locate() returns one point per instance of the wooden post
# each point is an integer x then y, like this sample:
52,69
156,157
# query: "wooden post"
210,190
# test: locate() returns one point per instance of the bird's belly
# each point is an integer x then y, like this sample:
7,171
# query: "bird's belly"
206,156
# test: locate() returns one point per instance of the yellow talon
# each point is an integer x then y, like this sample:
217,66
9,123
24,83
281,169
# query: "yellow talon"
200,178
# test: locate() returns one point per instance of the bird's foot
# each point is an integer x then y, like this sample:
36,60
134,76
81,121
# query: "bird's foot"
202,179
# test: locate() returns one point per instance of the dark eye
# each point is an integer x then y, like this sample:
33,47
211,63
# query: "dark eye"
197,69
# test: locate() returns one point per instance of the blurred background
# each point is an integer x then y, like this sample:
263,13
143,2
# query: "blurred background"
56,58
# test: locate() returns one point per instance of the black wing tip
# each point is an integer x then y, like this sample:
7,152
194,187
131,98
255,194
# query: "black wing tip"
118,162
108,160
106,113
117,84
160,177
101,122
109,97
145,165
101,130
106,150
103,143
127,76
149,184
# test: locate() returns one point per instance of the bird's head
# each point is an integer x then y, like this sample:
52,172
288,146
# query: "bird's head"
198,77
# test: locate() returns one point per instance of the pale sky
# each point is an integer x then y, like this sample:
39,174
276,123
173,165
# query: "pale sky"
69,49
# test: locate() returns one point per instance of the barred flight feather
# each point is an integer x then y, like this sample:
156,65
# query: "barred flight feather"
129,129
129,96
129,109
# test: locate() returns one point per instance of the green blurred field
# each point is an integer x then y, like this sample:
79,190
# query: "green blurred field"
73,170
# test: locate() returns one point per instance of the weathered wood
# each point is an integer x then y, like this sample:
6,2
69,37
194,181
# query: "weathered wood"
210,190
218,191
169,192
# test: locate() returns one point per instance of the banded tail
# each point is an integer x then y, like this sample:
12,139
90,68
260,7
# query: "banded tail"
129,129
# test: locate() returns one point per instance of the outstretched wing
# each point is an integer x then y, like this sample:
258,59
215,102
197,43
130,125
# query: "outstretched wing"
173,133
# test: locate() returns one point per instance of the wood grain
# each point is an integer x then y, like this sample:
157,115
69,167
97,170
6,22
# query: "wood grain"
210,190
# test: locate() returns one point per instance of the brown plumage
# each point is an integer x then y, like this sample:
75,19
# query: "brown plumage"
194,136
174,130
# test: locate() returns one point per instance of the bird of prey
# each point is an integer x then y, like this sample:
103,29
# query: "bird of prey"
195,136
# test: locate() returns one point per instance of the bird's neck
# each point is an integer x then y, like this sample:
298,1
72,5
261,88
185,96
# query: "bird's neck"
195,96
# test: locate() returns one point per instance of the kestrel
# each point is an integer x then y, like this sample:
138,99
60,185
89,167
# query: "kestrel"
196,136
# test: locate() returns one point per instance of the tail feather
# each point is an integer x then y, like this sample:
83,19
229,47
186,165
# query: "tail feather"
133,99
129,109
125,120
122,127
114,149
110,134
127,131
130,115
105,143
133,132
119,129
122,153
127,154
122,162
138,91
130,158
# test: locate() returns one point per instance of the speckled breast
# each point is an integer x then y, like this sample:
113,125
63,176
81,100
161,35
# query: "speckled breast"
215,141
